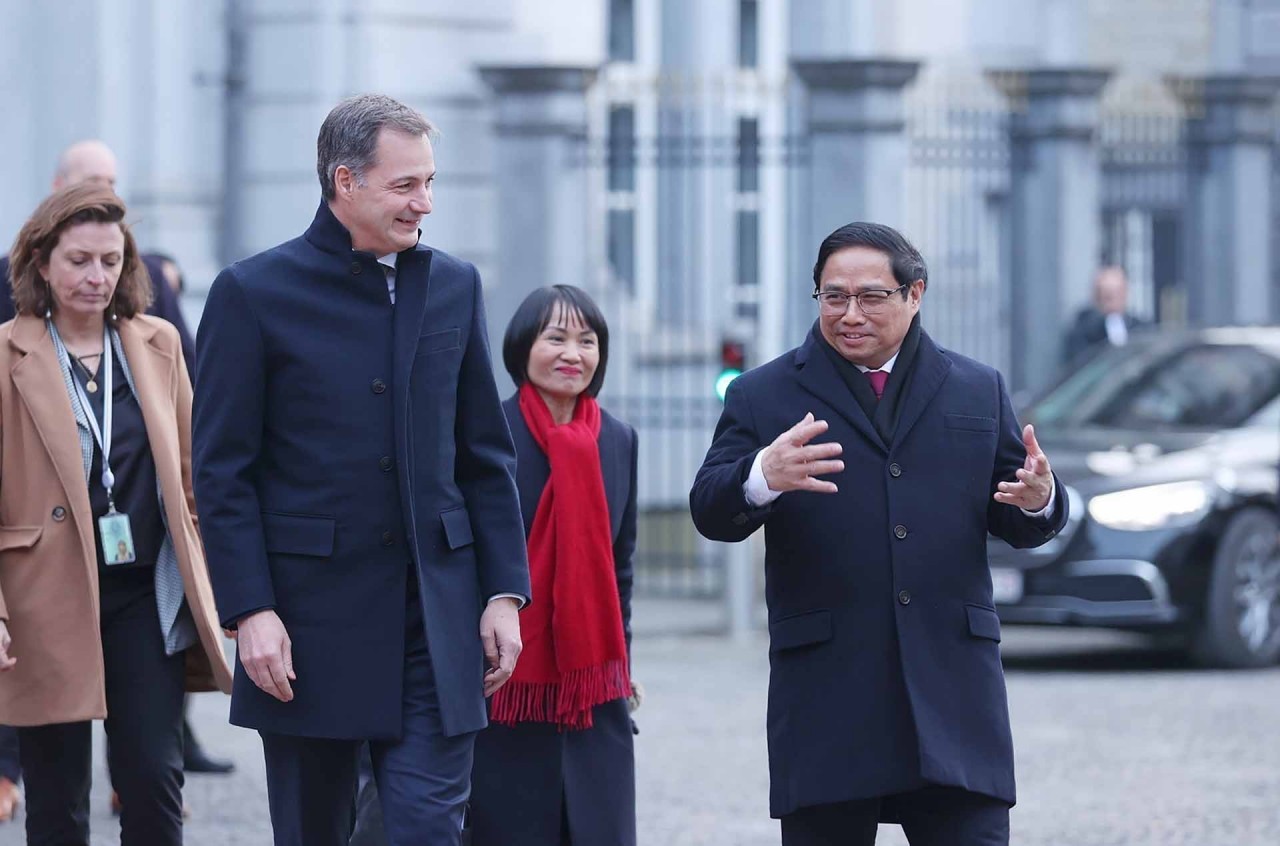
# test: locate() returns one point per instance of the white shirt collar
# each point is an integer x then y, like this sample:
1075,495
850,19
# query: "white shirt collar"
389,260
887,367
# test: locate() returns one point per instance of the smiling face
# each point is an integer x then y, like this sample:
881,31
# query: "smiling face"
866,339
384,206
564,357
84,268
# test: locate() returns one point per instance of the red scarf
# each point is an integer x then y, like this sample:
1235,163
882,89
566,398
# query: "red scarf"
575,654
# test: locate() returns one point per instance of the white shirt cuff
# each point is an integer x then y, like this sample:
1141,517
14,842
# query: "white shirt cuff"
756,489
520,601
1043,513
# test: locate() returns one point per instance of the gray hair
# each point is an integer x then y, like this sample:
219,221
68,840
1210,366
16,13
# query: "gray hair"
349,135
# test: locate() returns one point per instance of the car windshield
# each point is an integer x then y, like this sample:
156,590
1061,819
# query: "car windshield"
1161,386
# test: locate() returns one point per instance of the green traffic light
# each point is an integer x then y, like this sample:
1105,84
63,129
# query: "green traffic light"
722,381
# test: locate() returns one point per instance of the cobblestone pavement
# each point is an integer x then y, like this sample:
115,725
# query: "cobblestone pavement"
1118,743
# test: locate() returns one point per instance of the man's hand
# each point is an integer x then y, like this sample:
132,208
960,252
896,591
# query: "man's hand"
790,464
267,653
1034,481
7,662
500,634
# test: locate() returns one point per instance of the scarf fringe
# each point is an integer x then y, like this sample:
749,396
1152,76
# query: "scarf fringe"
567,703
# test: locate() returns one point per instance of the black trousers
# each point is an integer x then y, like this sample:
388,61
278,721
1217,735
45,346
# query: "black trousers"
144,724
933,816
10,766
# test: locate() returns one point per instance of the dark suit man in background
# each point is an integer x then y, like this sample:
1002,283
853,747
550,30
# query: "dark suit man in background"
355,480
1106,321
886,693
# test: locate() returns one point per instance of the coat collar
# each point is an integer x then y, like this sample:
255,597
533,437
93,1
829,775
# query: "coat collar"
818,376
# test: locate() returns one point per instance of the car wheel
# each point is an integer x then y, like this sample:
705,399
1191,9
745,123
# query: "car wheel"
1242,610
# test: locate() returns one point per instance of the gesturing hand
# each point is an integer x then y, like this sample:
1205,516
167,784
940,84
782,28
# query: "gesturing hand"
500,635
790,463
267,653
1034,481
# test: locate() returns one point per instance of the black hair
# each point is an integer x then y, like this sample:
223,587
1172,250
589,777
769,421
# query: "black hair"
907,263
532,317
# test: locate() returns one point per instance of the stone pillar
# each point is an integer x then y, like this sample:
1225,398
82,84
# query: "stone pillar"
541,179
1227,237
857,150
1056,213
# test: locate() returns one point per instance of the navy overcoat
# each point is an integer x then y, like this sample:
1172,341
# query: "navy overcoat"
883,637
525,774
340,441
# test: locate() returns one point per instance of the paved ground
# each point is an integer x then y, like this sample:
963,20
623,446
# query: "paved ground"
1118,744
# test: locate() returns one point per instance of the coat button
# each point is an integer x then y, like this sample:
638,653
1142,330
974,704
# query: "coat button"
904,597
385,463
379,386
739,519
895,470
59,513
356,268
900,532
387,539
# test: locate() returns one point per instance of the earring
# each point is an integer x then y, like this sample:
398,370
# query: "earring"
48,313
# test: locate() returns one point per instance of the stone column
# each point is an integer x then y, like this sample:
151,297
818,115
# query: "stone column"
541,182
857,150
1227,237
1056,213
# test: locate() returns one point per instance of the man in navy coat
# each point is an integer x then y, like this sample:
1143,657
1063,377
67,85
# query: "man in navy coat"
886,693
354,476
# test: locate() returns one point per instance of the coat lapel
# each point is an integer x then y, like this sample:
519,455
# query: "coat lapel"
931,369
152,368
38,378
819,377
413,282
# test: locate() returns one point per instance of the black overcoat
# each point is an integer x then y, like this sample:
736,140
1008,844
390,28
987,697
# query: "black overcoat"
339,442
885,667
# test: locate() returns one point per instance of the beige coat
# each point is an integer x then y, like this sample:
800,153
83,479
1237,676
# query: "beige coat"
48,559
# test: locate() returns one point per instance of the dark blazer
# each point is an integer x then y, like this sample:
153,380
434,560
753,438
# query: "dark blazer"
164,305
1089,330
341,444
523,774
885,669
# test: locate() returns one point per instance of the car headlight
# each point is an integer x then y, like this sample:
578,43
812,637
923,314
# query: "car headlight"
1152,507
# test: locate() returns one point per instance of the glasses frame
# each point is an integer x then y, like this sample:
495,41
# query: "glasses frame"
817,297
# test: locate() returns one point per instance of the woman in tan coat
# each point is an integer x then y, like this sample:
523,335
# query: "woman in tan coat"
105,606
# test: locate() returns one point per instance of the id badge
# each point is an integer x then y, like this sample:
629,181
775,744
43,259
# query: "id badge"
117,538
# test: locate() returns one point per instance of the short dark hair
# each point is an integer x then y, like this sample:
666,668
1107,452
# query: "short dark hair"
532,317
85,202
349,135
907,263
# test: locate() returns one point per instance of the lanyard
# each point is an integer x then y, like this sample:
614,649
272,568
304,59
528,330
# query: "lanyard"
103,435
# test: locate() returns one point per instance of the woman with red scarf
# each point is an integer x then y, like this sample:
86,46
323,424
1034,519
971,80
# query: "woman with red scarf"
556,765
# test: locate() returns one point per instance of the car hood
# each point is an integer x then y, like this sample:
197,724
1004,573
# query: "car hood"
1097,460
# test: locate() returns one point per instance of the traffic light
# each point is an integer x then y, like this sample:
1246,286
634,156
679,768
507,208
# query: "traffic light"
733,360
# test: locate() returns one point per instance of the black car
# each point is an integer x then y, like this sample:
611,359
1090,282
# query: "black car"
1169,447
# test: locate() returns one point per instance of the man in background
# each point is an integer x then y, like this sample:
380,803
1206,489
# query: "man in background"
1106,321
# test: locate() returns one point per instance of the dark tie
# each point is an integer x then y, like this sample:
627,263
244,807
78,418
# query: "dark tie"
877,378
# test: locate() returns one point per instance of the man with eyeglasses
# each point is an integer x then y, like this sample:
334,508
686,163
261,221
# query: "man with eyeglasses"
886,694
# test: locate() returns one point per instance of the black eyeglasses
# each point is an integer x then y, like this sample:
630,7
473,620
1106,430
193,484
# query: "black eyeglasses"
871,302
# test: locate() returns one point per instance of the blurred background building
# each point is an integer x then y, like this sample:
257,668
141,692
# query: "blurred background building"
682,159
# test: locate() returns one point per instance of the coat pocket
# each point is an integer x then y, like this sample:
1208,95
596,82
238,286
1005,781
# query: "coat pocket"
967,423
804,629
19,537
298,534
434,342
983,622
457,527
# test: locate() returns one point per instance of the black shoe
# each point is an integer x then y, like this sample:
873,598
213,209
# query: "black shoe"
197,761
